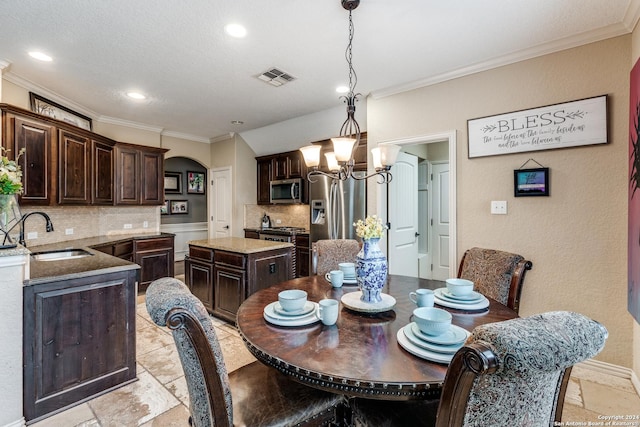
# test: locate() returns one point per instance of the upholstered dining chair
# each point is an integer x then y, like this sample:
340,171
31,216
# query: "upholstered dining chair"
511,373
496,274
327,254
253,395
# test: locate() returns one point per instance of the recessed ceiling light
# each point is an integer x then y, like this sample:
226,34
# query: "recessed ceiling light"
235,30
237,122
136,95
40,56
342,89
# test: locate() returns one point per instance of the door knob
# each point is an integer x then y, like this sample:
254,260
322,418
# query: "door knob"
417,234
226,227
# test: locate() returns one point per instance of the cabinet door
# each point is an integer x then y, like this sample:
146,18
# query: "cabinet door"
296,165
127,176
103,176
36,161
152,189
155,258
264,178
74,161
280,167
199,278
79,340
302,256
229,291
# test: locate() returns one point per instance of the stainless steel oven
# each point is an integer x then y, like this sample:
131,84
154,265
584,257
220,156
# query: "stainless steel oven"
275,237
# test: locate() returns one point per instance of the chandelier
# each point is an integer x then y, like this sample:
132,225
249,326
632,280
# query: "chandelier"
340,161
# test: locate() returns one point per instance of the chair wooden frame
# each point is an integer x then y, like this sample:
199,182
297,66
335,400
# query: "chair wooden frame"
469,363
517,279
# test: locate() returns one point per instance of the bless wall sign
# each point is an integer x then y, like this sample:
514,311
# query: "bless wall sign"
570,124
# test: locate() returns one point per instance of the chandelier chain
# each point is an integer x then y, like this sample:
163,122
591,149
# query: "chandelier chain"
353,77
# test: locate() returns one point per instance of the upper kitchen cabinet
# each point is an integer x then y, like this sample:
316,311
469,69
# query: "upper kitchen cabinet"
280,166
63,164
139,175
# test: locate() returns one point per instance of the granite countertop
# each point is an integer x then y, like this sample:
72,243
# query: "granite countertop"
240,244
96,263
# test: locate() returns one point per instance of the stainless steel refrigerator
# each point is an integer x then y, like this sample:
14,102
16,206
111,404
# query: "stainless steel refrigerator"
335,206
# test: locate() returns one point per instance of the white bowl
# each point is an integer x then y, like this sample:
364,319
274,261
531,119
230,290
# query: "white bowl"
459,287
431,320
292,299
348,268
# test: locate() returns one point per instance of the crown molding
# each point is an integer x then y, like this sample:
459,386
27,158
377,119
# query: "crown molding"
604,33
129,124
4,65
40,90
223,137
632,15
186,136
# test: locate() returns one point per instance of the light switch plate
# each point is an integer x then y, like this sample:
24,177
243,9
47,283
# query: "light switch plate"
68,231
499,207
128,226
32,235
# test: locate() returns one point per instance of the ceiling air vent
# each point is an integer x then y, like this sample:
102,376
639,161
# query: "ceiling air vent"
276,77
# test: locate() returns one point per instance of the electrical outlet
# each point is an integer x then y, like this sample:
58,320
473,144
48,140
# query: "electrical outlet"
272,268
32,235
128,226
278,221
499,207
68,231
145,224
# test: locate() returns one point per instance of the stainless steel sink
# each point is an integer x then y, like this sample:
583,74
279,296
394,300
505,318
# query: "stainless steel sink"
59,255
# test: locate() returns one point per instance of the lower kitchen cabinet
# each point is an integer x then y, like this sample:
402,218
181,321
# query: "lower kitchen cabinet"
302,255
223,279
155,258
79,340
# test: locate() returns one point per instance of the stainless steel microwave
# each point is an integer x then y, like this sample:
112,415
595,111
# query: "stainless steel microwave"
286,191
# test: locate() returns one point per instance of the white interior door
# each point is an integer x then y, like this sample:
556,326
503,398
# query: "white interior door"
220,203
403,216
440,220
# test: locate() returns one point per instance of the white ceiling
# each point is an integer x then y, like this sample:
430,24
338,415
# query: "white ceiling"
198,79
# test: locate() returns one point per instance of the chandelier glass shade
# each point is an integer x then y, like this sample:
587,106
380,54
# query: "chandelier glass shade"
340,161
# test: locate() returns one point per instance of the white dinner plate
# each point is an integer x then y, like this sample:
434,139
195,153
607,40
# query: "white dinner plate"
345,281
472,296
443,294
308,308
432,356
459,305
272,317
438,348
455,335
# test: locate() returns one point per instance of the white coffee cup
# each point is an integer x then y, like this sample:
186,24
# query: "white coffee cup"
336,277
292,299
422,297
328,311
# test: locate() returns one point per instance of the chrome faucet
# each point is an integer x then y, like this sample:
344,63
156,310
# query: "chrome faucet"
49,226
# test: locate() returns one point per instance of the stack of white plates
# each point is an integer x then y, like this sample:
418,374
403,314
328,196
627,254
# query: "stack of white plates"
274,313
436,348
346,281
473,301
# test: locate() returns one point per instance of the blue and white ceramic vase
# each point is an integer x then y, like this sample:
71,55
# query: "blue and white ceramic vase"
371,270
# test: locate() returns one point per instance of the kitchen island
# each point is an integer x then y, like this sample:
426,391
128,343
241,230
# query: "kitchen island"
224,272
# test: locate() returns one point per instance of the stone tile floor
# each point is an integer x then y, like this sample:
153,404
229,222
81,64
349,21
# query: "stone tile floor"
159,398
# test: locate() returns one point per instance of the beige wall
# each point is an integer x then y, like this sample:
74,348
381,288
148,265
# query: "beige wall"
635,55
576,238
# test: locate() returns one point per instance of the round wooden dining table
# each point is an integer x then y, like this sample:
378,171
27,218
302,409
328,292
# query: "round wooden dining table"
359,355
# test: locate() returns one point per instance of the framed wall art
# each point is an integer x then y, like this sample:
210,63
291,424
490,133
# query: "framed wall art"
54,110
179,207
531,182
164,209
173,182
570,124
195,182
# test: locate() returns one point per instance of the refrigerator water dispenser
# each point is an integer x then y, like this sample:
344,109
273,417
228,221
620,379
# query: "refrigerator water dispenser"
318,212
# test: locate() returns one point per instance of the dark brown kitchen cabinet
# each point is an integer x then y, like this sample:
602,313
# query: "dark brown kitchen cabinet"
103,173
122,250
199,277
37,139
280,166
302,255
74,162
155,258
222,279
79,340
139,175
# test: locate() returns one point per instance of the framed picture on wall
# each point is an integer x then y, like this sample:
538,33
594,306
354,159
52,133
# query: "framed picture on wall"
531,182
173,182
195,182
49,108
164,209
179,207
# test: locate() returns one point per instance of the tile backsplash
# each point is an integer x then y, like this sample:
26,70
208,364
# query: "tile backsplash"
88,221
288,215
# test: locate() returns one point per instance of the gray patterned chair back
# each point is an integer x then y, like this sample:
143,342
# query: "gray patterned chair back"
496,274
511,373
327,254
170,303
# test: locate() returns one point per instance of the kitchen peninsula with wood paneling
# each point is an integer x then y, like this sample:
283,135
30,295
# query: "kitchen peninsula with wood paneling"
223,272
